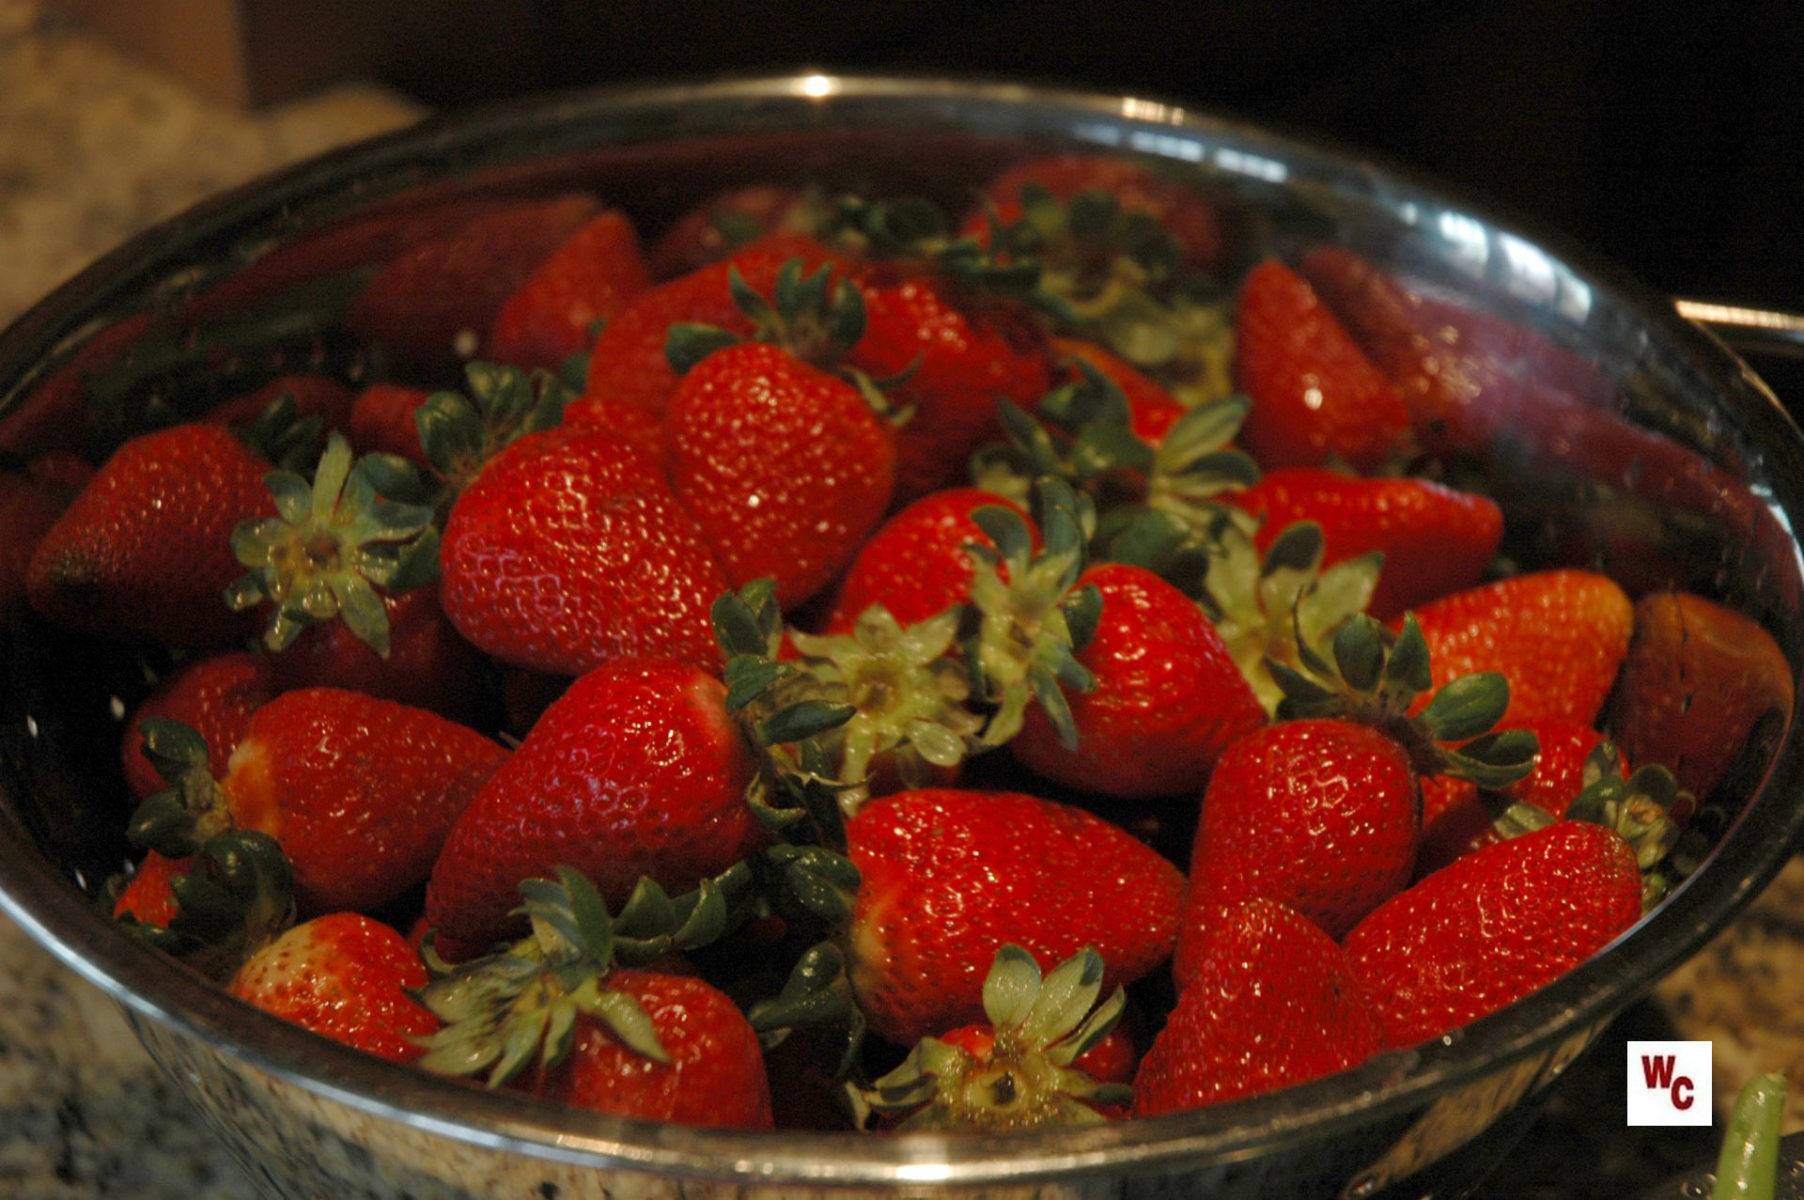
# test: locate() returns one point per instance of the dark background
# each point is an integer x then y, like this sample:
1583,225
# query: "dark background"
1665,143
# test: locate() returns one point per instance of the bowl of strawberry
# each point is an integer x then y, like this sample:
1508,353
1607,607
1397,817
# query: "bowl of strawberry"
879,636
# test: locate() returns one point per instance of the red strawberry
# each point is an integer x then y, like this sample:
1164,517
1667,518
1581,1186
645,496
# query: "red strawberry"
714,1076
147,896
915,565
588,279
1559,636
636,770
1167,698
1434,540
345,977
1315,394
1493,927
382,421
428,664
215,697
1456,821
313,396
1319,815
1699,678
358,792
628,365
146,548
568,550
1272,1002
1447,393
1189,219
711,231
436,301
28,508
785,467
948,877
954,361
1151,409
1024,1065
554,1015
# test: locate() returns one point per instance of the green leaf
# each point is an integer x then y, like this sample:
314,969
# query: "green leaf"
689,343
1010,987
1467,706
1408,663
1358,654
802,720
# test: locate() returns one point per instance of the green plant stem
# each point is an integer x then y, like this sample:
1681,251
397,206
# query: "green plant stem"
1749,1166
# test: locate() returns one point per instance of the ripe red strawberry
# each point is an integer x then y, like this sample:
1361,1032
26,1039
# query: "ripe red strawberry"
1151,409
1453,398
1271,1002
1456,821
435,302
213,696
915,565
1434,540
953,361
1315,394
146,549
346,977
711,231
358,792
714,1076
785,467
382,421
628,365
313,396
428,665
1493,927
1319,815
1698,679
562,1015
636,770
568,550
1024,1065
28,508
147,896
589,278
1189,219
1167,697
1559,636
948,877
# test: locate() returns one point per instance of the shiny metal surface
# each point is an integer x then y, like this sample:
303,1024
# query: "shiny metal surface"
1748,330
316,1118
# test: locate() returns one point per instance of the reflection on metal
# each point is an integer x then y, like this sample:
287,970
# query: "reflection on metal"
1758,330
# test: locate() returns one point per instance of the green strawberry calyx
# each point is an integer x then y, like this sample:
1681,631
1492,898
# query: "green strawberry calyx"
1113,277
235,896
1268,608
1642,808
178,820
281,435
1040,1027
810,315
1033,618
460,431
520,1005
333,543
909,694
1374,676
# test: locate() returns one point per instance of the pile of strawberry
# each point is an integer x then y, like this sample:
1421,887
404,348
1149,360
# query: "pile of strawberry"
638,680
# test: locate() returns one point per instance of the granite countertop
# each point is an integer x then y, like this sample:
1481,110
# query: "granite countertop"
93,148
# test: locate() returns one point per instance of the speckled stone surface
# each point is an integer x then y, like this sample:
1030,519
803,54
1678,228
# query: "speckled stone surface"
93,148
